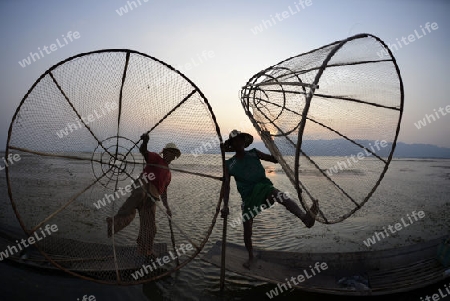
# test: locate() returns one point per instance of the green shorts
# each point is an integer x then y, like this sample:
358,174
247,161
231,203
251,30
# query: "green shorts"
257,200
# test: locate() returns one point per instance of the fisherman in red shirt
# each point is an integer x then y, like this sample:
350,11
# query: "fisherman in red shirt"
156,176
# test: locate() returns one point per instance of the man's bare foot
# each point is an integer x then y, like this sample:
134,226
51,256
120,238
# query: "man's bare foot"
311,215
249,263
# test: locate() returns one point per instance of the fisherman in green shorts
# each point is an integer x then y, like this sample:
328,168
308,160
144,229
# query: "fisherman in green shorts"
255,188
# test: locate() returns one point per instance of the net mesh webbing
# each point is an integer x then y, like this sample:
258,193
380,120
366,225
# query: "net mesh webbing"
331,117
78,134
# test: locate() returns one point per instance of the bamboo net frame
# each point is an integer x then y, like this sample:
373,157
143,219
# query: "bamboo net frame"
313,95
162,101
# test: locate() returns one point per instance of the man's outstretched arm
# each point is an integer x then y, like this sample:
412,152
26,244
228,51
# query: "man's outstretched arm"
266,157
143,148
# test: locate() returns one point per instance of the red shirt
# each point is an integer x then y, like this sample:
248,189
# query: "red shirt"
160,177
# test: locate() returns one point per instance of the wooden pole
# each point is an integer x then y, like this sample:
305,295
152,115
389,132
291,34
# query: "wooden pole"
173,239
226,195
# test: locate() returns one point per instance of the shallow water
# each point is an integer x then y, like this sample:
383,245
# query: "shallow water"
409,185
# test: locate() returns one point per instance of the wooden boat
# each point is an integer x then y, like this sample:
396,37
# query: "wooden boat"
386,271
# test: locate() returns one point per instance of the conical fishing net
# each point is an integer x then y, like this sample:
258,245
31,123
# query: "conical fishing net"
331,117
78,132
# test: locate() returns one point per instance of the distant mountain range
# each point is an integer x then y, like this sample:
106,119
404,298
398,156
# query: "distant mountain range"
336,147
340,147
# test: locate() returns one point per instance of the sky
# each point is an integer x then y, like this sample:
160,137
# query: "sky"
178,32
